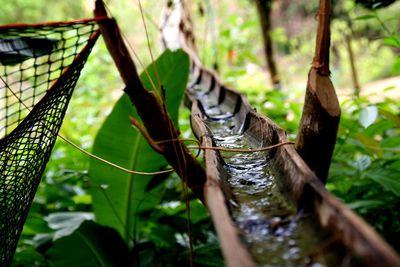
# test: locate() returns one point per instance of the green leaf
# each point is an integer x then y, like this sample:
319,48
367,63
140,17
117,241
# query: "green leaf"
390,116
388,179
28,257
392,41
35,224
368,116
396,67
378,128
90,245
392,142
117,195
370,204
207,255
198,211
173,72
365,17
369,144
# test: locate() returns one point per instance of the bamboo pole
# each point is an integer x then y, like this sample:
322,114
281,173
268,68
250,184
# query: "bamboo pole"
150,108
321,112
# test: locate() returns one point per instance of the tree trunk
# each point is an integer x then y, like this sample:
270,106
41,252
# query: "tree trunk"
321,112
264,11
354,75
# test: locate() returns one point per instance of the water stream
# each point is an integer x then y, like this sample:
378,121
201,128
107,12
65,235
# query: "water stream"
274,232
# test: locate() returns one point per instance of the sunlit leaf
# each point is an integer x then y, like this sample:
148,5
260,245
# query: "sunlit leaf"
392,41
66,222
365,17
396,66
82,199
368,116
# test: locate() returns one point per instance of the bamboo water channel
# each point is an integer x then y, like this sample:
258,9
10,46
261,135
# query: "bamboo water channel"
274,232
268,207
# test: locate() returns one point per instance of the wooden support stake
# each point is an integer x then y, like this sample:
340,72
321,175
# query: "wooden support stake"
150,108
321,112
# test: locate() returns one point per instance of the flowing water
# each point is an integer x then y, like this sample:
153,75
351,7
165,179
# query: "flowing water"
275,233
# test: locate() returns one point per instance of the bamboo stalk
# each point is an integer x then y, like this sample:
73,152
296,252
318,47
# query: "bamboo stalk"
321,112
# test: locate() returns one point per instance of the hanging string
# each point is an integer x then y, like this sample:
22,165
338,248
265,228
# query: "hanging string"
86,152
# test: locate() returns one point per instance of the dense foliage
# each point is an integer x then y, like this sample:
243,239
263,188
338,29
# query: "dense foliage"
123,218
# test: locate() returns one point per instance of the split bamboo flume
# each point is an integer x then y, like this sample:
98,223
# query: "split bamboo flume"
268,207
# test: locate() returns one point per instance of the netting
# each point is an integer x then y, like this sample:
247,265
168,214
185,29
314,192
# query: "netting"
39,67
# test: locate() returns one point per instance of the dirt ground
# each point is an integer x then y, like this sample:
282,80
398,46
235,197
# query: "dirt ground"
376,91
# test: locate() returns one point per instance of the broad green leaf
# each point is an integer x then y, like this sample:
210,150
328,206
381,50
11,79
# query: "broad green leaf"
90,245
368,116
119,196
173,72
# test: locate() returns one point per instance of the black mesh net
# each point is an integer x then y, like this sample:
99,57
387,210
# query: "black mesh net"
39,67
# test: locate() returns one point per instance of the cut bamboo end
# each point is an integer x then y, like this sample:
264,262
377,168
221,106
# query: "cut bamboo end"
324,92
